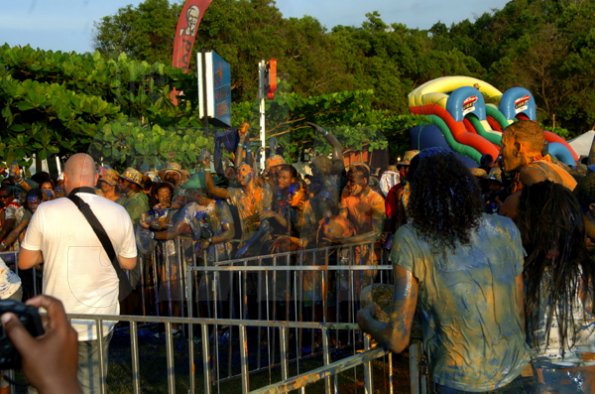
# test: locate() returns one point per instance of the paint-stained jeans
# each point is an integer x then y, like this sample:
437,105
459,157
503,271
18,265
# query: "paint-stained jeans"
518,386
554,378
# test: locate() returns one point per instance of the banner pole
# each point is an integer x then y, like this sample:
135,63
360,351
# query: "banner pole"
261,96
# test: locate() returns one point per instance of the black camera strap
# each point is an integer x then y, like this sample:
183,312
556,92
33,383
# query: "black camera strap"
125,288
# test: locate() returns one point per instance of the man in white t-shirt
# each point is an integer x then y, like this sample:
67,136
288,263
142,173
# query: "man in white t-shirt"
76,268
389,178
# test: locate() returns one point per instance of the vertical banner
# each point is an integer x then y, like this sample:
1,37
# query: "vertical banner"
186,30
214,88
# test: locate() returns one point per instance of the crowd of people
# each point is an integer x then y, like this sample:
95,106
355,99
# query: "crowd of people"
496,257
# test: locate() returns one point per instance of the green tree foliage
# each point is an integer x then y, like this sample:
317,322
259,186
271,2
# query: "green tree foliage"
243,32
351,80
349,115
130,143
55,103
544,46
391,59
143,33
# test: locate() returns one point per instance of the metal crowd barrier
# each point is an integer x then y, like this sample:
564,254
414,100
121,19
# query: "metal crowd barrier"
287,318
189,364
316,285
166,281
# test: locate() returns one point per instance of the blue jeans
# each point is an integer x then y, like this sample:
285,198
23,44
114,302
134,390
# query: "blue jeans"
89,372
519,385
554,378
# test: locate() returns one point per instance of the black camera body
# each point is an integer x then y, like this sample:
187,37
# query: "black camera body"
30,319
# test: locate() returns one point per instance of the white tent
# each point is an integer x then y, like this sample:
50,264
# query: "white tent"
582,143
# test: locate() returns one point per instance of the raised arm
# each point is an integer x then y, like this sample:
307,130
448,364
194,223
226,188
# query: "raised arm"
331,139
240,151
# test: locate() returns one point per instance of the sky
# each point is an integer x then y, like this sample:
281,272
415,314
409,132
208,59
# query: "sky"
68,25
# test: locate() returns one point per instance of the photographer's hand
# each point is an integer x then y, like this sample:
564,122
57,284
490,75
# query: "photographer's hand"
50,360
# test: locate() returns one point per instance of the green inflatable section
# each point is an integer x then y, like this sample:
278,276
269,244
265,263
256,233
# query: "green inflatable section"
495,113
492,137
454,144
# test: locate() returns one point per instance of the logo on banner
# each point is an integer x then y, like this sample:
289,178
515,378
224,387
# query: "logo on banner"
469,104
521,104
186,31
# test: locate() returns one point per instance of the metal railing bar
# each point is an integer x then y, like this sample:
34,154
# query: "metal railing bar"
334,368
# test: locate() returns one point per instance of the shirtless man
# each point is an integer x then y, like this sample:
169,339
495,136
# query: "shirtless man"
523,143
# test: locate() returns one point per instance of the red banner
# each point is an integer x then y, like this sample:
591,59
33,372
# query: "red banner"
188,22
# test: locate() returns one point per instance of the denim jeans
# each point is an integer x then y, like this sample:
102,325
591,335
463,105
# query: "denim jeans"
560,379
519,385
89,372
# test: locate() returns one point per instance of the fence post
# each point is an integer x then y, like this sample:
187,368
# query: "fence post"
284,356
134,356
189,300
102,355
368,383
327,358
206,357
244,359
169,354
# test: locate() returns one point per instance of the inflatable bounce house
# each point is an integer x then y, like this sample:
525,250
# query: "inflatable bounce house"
468,115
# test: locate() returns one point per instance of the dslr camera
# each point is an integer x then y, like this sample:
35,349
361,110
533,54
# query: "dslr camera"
29,318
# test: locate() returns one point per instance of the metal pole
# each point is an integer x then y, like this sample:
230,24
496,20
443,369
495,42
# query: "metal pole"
134,355
262,66
203,58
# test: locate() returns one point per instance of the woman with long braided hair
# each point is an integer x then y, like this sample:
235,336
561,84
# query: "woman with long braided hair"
558,276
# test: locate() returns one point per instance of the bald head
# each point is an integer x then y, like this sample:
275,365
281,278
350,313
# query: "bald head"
79,171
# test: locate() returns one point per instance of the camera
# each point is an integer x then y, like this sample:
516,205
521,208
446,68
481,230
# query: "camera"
30,319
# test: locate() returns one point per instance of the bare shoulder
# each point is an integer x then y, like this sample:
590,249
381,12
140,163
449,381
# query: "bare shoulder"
531,174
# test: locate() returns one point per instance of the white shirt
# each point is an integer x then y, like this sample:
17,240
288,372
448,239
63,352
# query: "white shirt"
388,179
76,268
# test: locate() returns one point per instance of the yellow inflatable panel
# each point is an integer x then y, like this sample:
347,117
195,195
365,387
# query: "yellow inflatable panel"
432,92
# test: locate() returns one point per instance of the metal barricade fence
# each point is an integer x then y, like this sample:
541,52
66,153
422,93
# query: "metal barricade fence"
301,279
162,277
169,363
291,308
314,285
